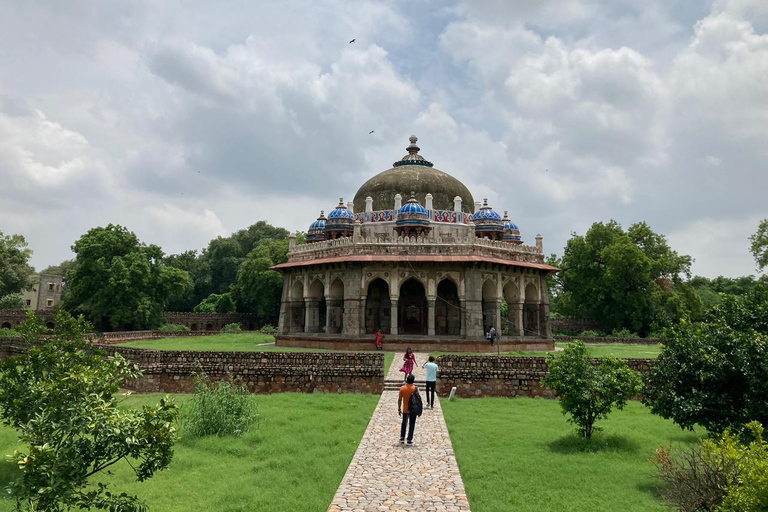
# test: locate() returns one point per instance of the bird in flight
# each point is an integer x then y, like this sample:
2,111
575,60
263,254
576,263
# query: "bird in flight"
546,170
352,41
370,132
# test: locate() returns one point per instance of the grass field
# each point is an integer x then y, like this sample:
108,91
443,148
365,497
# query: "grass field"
293,459
629,350
231,342
520,455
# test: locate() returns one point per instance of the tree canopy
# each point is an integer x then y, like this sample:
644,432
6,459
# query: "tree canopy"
15,271
120,280
759,245
258,288
625,279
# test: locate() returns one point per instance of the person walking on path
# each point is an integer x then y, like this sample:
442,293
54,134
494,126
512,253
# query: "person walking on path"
410,360
432,368
403,409
379,340
492,334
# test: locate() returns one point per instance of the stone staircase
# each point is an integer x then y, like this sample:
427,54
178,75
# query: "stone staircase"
395,384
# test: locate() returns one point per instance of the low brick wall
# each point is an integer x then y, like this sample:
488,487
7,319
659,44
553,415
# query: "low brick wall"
504,376
263,372
400,343
637,341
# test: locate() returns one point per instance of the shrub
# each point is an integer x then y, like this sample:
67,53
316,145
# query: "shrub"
219,408
173,328
12,301
231,328
591,334
623,333
8,333
720,475
267,329
588,391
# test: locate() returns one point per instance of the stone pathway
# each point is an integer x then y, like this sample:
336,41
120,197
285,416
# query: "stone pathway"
387,476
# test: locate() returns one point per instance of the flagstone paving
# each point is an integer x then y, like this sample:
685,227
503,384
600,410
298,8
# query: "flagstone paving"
387,476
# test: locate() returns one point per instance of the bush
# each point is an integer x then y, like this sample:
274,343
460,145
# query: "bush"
231,328
8,333
591,334
173,328
219,408
267,329
721,475
12,301
588,391
623,333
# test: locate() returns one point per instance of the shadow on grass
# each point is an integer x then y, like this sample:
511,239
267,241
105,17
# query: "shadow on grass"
9,471
573,443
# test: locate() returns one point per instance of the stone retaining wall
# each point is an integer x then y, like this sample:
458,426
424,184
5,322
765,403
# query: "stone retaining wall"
597,339
505,376
109,338
423,344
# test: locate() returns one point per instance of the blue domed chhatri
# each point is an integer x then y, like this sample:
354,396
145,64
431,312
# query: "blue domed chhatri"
488,223
340,222
511,232
412,219
316,232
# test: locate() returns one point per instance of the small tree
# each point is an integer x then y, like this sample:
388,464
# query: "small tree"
12,301
589,391
60,397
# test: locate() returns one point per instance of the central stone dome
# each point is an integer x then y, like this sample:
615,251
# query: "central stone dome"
413,174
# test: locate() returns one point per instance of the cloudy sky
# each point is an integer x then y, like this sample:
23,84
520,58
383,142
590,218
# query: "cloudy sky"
186,120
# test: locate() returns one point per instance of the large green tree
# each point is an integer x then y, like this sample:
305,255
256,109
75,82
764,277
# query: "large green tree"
759,245
258,288
61,400
120,280
625,279
15,271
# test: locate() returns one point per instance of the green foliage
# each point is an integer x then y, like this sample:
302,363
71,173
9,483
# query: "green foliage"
12,301
554,285
217,303
120,280
720,475
711,375
267,329
745,312
61,400
629,279
588,391
591,334
623,333
173,328
223,408
759,245
8,333
231,328
226,304
15,272
258,288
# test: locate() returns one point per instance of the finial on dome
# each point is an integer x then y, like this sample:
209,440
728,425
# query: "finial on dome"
341,201
413,148
485,202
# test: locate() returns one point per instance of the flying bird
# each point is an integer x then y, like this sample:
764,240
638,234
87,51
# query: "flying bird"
370,132
546,170
352,41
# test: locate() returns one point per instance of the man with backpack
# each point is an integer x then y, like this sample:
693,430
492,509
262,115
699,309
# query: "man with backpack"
409,406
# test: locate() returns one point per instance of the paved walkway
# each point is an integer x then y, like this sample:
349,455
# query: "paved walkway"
387,476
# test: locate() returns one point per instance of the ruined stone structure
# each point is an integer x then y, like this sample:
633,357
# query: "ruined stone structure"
415,256
45,293
12,318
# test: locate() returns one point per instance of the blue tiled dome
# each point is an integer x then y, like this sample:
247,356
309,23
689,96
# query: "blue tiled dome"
412,214
340,221
316,231
487,220
511,232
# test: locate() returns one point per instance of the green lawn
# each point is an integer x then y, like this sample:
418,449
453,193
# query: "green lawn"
628,350
293,459
521,455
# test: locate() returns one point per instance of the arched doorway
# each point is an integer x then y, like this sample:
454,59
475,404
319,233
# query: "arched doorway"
489,305
6,325
531,311
336,306
193,327
208,327
377,307
317,307
514,309
50,325
296,306
412,311
447,309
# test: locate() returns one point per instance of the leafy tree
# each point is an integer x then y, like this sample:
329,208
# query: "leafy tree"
61,399
12,301
711,375
629,279
745,312
226,304
588,391
198,271
59,270
258,288
759,245
120,280
15,271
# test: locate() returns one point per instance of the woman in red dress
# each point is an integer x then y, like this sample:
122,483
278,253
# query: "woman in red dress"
379,339
410,360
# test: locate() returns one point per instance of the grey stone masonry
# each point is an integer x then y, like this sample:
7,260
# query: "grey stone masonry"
387,476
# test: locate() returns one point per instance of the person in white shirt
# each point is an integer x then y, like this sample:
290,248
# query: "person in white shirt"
432,369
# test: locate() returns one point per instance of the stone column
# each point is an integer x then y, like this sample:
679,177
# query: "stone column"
352,316
497,317
431,317
520,328
463,313
310,314
329,312
393,316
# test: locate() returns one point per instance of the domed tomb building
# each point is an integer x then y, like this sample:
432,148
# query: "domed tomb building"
415,256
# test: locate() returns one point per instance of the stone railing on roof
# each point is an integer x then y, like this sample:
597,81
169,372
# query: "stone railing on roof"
397,245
